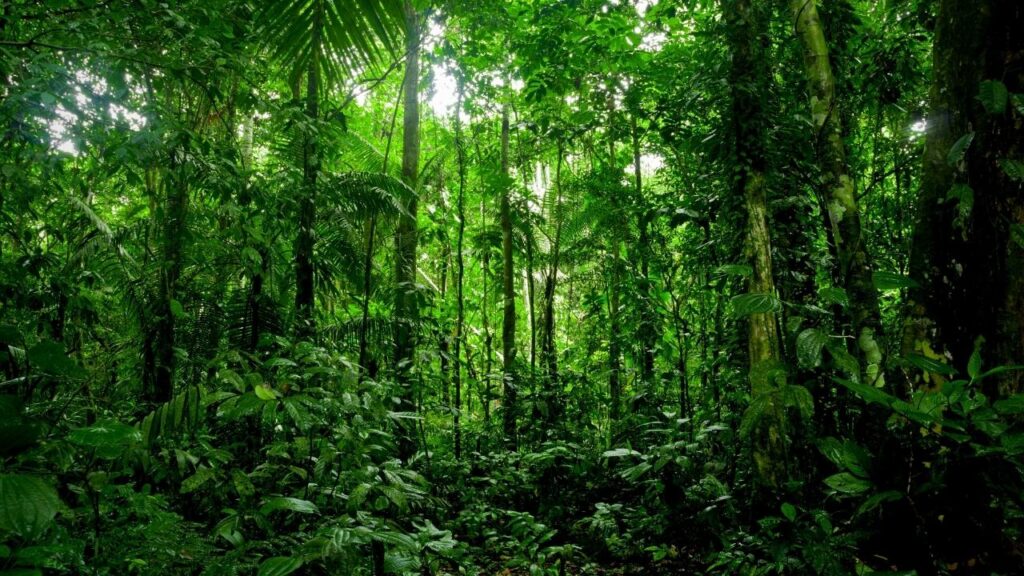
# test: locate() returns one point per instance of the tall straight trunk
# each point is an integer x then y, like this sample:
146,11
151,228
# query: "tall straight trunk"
485,312
648,320
304,241
747,81
615,273
967,257
843,212
406,236
548,352
508,326
460,272
366,369
175,186
443,334
614,335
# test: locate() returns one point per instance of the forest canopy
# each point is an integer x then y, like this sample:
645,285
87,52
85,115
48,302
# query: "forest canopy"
516,287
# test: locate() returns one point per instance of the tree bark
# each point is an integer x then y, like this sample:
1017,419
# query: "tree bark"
304,241
460,272
968,252
767,374
508,326
406,236
843,213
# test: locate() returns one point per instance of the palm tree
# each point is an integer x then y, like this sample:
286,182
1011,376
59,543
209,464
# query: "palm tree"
323,41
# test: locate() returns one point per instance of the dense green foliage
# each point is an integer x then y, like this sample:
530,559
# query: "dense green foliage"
518,287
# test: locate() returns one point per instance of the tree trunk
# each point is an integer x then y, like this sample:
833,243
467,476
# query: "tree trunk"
548,352
175,212
406,306
648,320
767,374
304,241
843,214
614,335
508,326
967,256
460,272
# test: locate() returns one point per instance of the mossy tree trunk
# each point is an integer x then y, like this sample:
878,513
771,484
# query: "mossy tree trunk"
843,213
767,375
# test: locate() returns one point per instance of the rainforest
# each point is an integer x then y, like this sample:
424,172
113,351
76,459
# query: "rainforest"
511,287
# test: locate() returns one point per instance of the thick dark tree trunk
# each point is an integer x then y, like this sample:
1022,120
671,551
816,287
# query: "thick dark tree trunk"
967,256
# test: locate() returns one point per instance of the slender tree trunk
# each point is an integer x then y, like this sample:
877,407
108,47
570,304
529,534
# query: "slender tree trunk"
548,352
843,214
305,240
371,234
488,338
614,335
766,370
460,272
443,334
406,307
508,326
175,186
648,320
615,273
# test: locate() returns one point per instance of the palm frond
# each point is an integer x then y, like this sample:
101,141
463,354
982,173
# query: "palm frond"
352,33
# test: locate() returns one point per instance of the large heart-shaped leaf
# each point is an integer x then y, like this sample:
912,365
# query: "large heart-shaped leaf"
27,505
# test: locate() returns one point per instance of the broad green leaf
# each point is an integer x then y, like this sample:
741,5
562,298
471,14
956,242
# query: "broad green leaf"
1014,169
193,482
974,363
108,438
868,393
1013,405
289,504
49,357
735,270
243,485
264,392
877,500
279,566
993,96
808,347
847,483
892,281
177,309
619,453
788,510
930,364
847,454
27,505
834,295
747,304
959,149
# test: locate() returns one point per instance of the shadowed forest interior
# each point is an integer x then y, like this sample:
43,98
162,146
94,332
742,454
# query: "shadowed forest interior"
511,287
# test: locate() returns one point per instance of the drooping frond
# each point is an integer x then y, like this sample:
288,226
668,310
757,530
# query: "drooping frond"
361,195
352,33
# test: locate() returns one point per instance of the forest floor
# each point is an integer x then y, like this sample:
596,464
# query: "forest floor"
677,566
